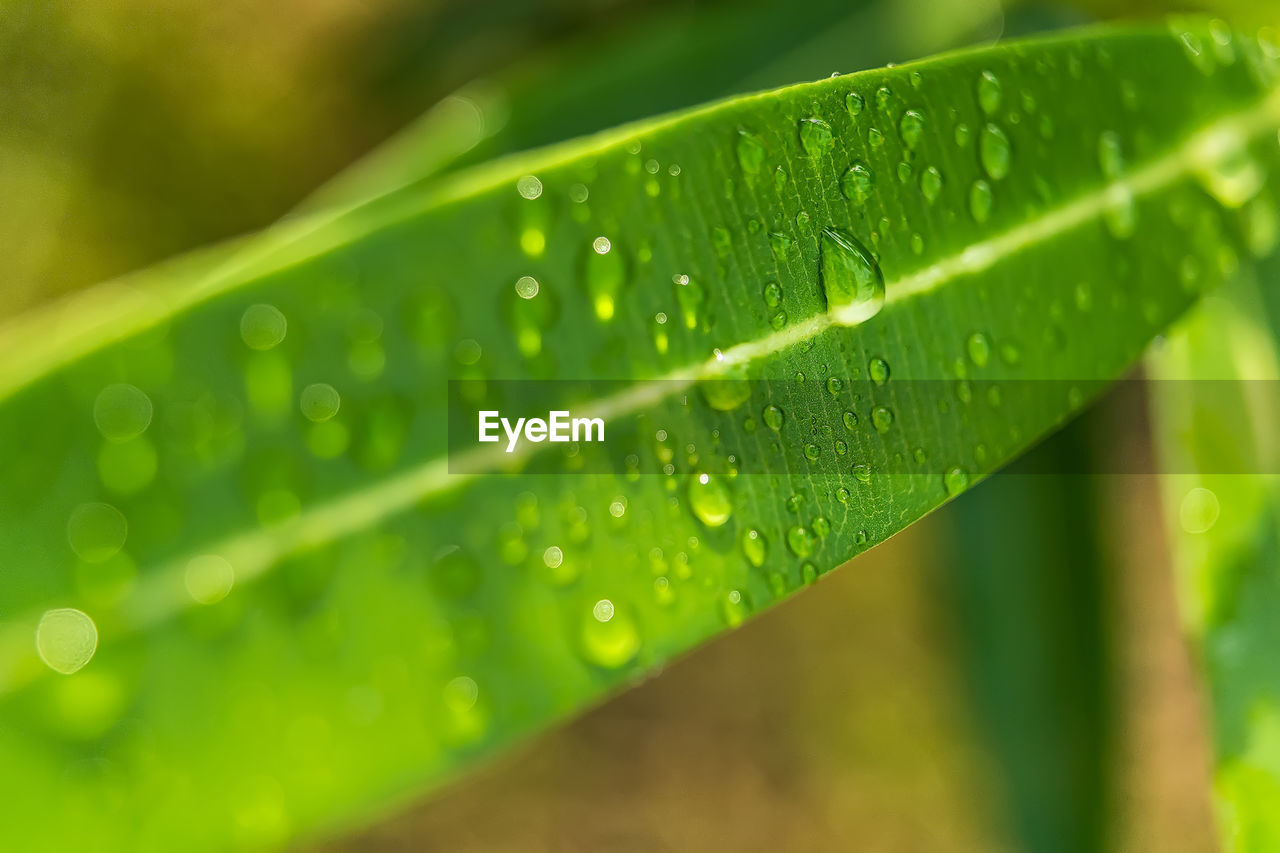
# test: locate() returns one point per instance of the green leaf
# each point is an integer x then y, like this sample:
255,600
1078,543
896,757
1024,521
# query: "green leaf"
304,611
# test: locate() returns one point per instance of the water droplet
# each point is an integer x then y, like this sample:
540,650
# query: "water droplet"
854,103
1232,176
962,135
904,172
122,412
96,532
609,635
751,152
862,472
956,480
1110,157
772,294
605,275
860,538
843,495
811,452
529,186
850,421
882,419
526,287
800,540
1121,212
772,417
754,547
993,151
980,200
988,92
875,138
930,184
857,183
779,244
709,499
851,279
1084,297
778,320
691,297
878,370
66,639
320,402
821,526
262,327
835,386
841,447
911,128
734,608
815,136
884,98
979,348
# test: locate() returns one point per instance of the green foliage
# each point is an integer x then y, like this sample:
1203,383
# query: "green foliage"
237,466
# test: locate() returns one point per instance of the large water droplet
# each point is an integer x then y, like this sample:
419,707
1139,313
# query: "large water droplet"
851,279
815,136
993,151
709,499
773,417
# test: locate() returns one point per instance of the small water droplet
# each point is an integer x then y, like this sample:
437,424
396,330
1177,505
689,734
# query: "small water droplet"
882,419
850,420
754,547
800,540
772,294
854,103
878,370
609,635
980,200
875,138
751,152
605,275
911,128
734,608
993,151
834,386
811,452
821,526
851,279
956,480
930,184
709,499
857,183
779,244
1110,157
979,348
884,98
772,417
862,472
988,92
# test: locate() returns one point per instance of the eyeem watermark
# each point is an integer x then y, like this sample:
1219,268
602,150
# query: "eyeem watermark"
559,426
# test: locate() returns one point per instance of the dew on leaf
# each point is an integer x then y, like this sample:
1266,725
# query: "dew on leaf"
980,200
930,184
709,499
911,128
610,638
754,546
878,370
956,480
772,417
979,348
815,136
989,92
882,419
851,279
993,151
857,183
800,540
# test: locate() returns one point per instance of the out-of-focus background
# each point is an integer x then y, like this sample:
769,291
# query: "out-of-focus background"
1008,674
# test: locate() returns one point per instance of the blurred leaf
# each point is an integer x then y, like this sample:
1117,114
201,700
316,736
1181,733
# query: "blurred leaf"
1217,413
304,612
1027,578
